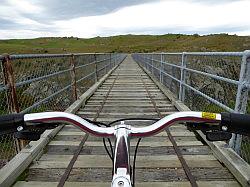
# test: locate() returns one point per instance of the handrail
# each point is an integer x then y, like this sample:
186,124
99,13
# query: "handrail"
176,69
42,82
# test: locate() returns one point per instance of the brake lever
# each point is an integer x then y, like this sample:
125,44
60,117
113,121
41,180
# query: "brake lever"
212,132
201,126
29,132
34,132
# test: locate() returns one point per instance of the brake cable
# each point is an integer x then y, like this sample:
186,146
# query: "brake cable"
135,153
133,119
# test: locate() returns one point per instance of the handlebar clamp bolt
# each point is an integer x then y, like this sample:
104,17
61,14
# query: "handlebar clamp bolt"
121,183
224,128
19,128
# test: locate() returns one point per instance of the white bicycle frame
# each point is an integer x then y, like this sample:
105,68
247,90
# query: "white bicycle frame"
123,133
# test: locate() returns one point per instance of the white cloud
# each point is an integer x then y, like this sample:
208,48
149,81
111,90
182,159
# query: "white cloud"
24,6
175,16
183,16
22,33
13,11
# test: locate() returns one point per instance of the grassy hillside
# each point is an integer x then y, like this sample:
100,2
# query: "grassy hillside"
128,44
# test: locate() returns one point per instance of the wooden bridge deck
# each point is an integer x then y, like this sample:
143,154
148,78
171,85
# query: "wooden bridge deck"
157,162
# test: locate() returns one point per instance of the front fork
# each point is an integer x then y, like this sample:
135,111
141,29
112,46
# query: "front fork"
121,177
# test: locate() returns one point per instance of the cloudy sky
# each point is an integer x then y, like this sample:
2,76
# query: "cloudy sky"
90,18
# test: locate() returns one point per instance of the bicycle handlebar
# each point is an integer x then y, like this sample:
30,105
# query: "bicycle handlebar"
177,117
11,121
239,123
63,117
236,123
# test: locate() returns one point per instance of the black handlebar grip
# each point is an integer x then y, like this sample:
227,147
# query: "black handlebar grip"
11,121
236,123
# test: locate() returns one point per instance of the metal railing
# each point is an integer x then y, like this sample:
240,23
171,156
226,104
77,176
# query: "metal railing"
206,81
33,83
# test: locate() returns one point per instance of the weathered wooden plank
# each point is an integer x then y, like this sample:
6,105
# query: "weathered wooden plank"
132,81
132,87
148,139
127,109
103,161
128,98
131,94
124,114
127,104
129,90
121,101
138,184
142,144
35,184
128,84
120,113
72,143
177,133
104,174
164,150
71,133
58,157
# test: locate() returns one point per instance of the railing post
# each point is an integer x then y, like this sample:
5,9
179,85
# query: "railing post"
152,58
9,81
96,77
114,63
241,97
106,66
73,77
146,61
183,77
110,55
161,69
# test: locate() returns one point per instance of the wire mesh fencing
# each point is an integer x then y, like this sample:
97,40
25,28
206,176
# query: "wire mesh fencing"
211,81
36,83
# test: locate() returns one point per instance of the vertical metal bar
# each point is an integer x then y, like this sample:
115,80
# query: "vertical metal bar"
148,61
9,81
183,78
110,62
241,97
73,77
106,66
152,58
114,62
96,76
161,68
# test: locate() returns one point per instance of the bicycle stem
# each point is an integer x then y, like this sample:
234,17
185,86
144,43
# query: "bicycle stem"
121,177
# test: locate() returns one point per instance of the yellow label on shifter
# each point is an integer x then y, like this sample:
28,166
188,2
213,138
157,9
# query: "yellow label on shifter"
208,115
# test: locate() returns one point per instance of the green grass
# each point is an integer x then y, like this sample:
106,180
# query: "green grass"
245,149
127,44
